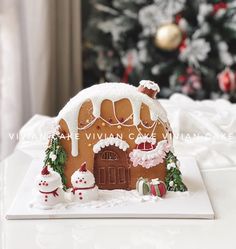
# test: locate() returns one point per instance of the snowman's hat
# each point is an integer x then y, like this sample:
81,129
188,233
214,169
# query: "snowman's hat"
83,167
45,171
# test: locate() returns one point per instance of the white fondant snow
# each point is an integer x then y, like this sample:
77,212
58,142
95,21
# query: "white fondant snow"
111,198
171,165
121,144
82,179
151,153
149,85
85,195
150,158
111,91
46,184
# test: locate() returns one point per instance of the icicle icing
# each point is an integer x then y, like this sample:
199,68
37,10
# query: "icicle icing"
113,92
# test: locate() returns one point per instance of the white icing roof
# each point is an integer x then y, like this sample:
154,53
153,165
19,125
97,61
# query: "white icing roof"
114,92
111,91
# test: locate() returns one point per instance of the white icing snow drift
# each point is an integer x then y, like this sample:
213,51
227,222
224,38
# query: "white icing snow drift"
121,144
150,158
150,85
144,139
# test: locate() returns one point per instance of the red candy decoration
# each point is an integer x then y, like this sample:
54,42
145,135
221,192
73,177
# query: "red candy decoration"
146,146
158,188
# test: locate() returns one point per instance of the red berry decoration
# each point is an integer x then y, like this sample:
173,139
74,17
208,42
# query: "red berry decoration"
227,80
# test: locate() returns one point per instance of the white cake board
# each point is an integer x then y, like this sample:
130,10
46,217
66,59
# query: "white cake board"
192,204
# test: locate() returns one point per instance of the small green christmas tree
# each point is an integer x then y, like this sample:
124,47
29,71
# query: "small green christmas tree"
173,178
56,157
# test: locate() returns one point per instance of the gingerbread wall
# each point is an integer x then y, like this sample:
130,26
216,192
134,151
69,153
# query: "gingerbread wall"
106,127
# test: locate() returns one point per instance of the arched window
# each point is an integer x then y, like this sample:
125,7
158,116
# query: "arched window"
109,155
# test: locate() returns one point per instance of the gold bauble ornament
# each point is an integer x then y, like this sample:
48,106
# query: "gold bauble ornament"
168,37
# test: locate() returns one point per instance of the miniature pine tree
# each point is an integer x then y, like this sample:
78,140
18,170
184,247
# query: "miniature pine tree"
173,179
56,157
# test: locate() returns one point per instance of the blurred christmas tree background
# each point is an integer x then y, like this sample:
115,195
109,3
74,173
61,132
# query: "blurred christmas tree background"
186,46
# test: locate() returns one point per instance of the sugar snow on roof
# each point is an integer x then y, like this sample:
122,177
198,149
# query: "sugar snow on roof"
113,92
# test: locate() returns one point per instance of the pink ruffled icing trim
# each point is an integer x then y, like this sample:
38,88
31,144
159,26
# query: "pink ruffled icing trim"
157,157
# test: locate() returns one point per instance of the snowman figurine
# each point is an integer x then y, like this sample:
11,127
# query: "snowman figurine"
50,192
84,188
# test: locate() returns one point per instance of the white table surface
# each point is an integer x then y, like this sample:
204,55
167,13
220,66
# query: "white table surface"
121,233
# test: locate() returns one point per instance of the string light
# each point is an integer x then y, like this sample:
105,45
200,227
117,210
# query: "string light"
118,123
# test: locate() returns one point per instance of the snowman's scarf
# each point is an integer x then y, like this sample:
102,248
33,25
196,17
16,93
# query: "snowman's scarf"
54,192
75,189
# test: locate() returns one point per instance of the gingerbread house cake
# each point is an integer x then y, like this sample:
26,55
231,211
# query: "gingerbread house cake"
111,136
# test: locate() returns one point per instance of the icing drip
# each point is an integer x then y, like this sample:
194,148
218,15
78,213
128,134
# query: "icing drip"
136,106
71,121
113,92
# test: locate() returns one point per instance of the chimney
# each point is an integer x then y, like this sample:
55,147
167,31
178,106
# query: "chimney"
149,88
